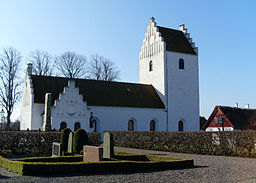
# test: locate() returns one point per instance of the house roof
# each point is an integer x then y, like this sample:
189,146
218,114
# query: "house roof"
99,93
176,40
239,117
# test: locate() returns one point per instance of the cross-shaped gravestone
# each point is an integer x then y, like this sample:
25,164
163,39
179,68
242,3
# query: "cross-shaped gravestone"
108,145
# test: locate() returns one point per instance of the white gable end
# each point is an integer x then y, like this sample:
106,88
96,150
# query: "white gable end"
70,108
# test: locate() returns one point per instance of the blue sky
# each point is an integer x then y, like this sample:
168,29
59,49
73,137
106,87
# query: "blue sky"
224,31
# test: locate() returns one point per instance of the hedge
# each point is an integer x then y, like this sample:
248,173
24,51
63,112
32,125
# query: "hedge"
34,143
112,165
230,143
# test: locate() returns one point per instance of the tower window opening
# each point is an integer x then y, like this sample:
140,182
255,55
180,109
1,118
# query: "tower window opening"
150,66
181,63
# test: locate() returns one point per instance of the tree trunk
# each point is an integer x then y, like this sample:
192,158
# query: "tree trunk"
7,127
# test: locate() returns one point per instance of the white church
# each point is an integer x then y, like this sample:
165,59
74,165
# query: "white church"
165,99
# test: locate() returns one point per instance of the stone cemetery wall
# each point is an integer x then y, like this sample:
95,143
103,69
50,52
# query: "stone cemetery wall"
233,143
34,142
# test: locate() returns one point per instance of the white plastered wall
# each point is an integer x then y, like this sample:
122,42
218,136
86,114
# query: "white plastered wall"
116,118
183,91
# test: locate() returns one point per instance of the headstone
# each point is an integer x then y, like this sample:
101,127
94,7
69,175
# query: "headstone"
70,142
47,112
92,153
215,139
108,145
56,149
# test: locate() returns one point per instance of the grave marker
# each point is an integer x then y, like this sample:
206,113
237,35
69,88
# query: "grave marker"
47,112
70,142
56,149
92,153
108,145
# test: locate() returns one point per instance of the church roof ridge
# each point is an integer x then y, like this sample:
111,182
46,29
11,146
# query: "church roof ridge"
124,82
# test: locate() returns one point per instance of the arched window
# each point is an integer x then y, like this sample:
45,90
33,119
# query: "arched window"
181,63
152,125
150,66
181,126
77,125
63,125
95,126
130,125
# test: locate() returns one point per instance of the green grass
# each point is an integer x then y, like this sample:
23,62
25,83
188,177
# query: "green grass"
122,162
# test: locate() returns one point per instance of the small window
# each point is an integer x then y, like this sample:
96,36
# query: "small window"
181,64
130,125
181,126
152,125
93,124
150,66
63,125
215,120
77,126
221,120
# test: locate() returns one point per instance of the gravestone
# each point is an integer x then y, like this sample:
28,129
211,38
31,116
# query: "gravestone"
70,142
108,145
92,153
56,149
47,112
215,139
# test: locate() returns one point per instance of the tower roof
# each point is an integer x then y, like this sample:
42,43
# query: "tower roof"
176,40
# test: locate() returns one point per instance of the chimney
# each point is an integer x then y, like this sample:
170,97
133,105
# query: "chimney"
246,106
236,105
29,69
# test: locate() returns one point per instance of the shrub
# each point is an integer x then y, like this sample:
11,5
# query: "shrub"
64,139
80,139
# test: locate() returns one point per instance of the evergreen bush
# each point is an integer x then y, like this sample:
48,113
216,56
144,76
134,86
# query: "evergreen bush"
80,139
64,139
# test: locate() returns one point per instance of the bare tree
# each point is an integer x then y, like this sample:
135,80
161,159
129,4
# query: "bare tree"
10,61
42,63
72,65
103,69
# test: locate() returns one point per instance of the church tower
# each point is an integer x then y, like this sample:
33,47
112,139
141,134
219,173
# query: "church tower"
169,61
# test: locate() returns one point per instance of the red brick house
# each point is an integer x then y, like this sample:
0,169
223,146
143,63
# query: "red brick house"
231,118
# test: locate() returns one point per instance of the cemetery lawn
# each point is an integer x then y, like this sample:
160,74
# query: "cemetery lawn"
122,162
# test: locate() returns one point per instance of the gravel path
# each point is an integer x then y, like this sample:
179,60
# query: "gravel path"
207,169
